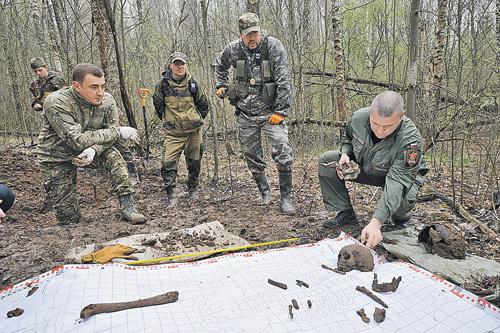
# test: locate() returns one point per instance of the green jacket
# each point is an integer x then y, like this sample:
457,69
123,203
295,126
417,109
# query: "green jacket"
71,124
395,163
181,109
42,87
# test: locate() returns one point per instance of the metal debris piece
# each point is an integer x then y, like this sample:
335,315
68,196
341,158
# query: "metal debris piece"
361,313
32,291
15,313
302,283
290,311
333,269
379,315
309,304
355,256
386,286
443,239
374,297
295,304
277,284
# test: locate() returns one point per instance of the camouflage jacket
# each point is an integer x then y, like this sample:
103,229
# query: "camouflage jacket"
41,87
253,105
71,124
394,163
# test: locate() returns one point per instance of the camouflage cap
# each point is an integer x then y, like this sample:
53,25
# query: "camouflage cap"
249,22
37,63
178,56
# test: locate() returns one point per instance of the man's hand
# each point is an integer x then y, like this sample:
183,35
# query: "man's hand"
372,232
108,253
85,158
222,92
129,133
276,119
344,158
37,107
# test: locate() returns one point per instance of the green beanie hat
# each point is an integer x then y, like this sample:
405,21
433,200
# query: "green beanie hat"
37,63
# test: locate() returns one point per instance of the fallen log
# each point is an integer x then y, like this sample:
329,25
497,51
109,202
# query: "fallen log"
93,309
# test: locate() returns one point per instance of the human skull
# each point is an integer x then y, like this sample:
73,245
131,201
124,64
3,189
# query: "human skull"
355,257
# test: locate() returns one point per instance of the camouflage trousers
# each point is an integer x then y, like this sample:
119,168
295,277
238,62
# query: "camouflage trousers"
59,180
125,152
250,136
173,148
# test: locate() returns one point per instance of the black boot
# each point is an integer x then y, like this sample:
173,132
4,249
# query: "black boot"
171,197
128,211
133,174
263,187
400,224
343,217
285,190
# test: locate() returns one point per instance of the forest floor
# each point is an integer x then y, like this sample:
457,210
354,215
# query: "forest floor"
32,242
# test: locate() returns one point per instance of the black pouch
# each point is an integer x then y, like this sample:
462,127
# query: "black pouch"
268,91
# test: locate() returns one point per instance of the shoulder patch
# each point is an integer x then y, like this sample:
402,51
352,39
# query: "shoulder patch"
412,157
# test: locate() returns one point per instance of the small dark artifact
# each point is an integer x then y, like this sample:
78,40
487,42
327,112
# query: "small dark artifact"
379,315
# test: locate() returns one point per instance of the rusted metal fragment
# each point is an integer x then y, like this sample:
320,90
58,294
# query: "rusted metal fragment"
379,315
333,269
374,297
15,313
361,313
277,284
386,286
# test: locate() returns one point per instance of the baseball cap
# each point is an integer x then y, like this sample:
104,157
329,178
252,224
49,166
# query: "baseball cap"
249,22
178,56
37,62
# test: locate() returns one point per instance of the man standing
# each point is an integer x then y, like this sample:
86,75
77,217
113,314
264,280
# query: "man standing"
262,93
48,82
387,146
80,127
182,104
45,83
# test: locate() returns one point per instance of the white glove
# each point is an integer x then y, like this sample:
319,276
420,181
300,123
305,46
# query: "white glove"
85,158
37,107
129,133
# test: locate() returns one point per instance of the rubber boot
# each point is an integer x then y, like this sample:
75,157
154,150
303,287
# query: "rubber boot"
133,174
128,211
171,197
263,187
285,190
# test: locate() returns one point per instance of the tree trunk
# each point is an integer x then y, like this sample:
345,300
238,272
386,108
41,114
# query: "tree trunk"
497,12
54,41
253,6
339,62
412,61
437,64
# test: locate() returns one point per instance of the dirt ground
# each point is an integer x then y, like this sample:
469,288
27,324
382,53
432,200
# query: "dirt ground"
32,242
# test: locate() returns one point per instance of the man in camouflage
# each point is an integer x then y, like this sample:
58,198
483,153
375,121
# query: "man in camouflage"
261,90
387,146
48,82
45,83
181,104
80,127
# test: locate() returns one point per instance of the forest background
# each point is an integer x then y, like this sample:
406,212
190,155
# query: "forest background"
442,56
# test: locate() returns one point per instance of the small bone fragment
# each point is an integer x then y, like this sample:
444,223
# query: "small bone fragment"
291,312
379,315
309,304
386,286
15,313
32,291
374,297
93,309
295,304
361,313
302,283
277,284
333,269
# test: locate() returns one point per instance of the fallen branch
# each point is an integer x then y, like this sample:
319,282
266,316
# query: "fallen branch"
460,210
93,309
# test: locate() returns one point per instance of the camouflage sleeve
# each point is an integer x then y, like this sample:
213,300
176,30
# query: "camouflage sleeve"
158,100
111,120
62,119
282,77
35,90
58,83
223,63
346,143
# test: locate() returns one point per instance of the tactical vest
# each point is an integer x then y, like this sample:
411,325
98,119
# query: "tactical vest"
192,84
242,79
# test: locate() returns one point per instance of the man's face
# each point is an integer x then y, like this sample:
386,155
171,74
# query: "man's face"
179,69
384,126
252,40
41,71
91,88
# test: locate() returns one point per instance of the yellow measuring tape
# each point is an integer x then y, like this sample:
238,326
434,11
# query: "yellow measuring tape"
209,252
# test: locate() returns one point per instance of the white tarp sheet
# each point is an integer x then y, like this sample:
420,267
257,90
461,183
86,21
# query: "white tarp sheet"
231,294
